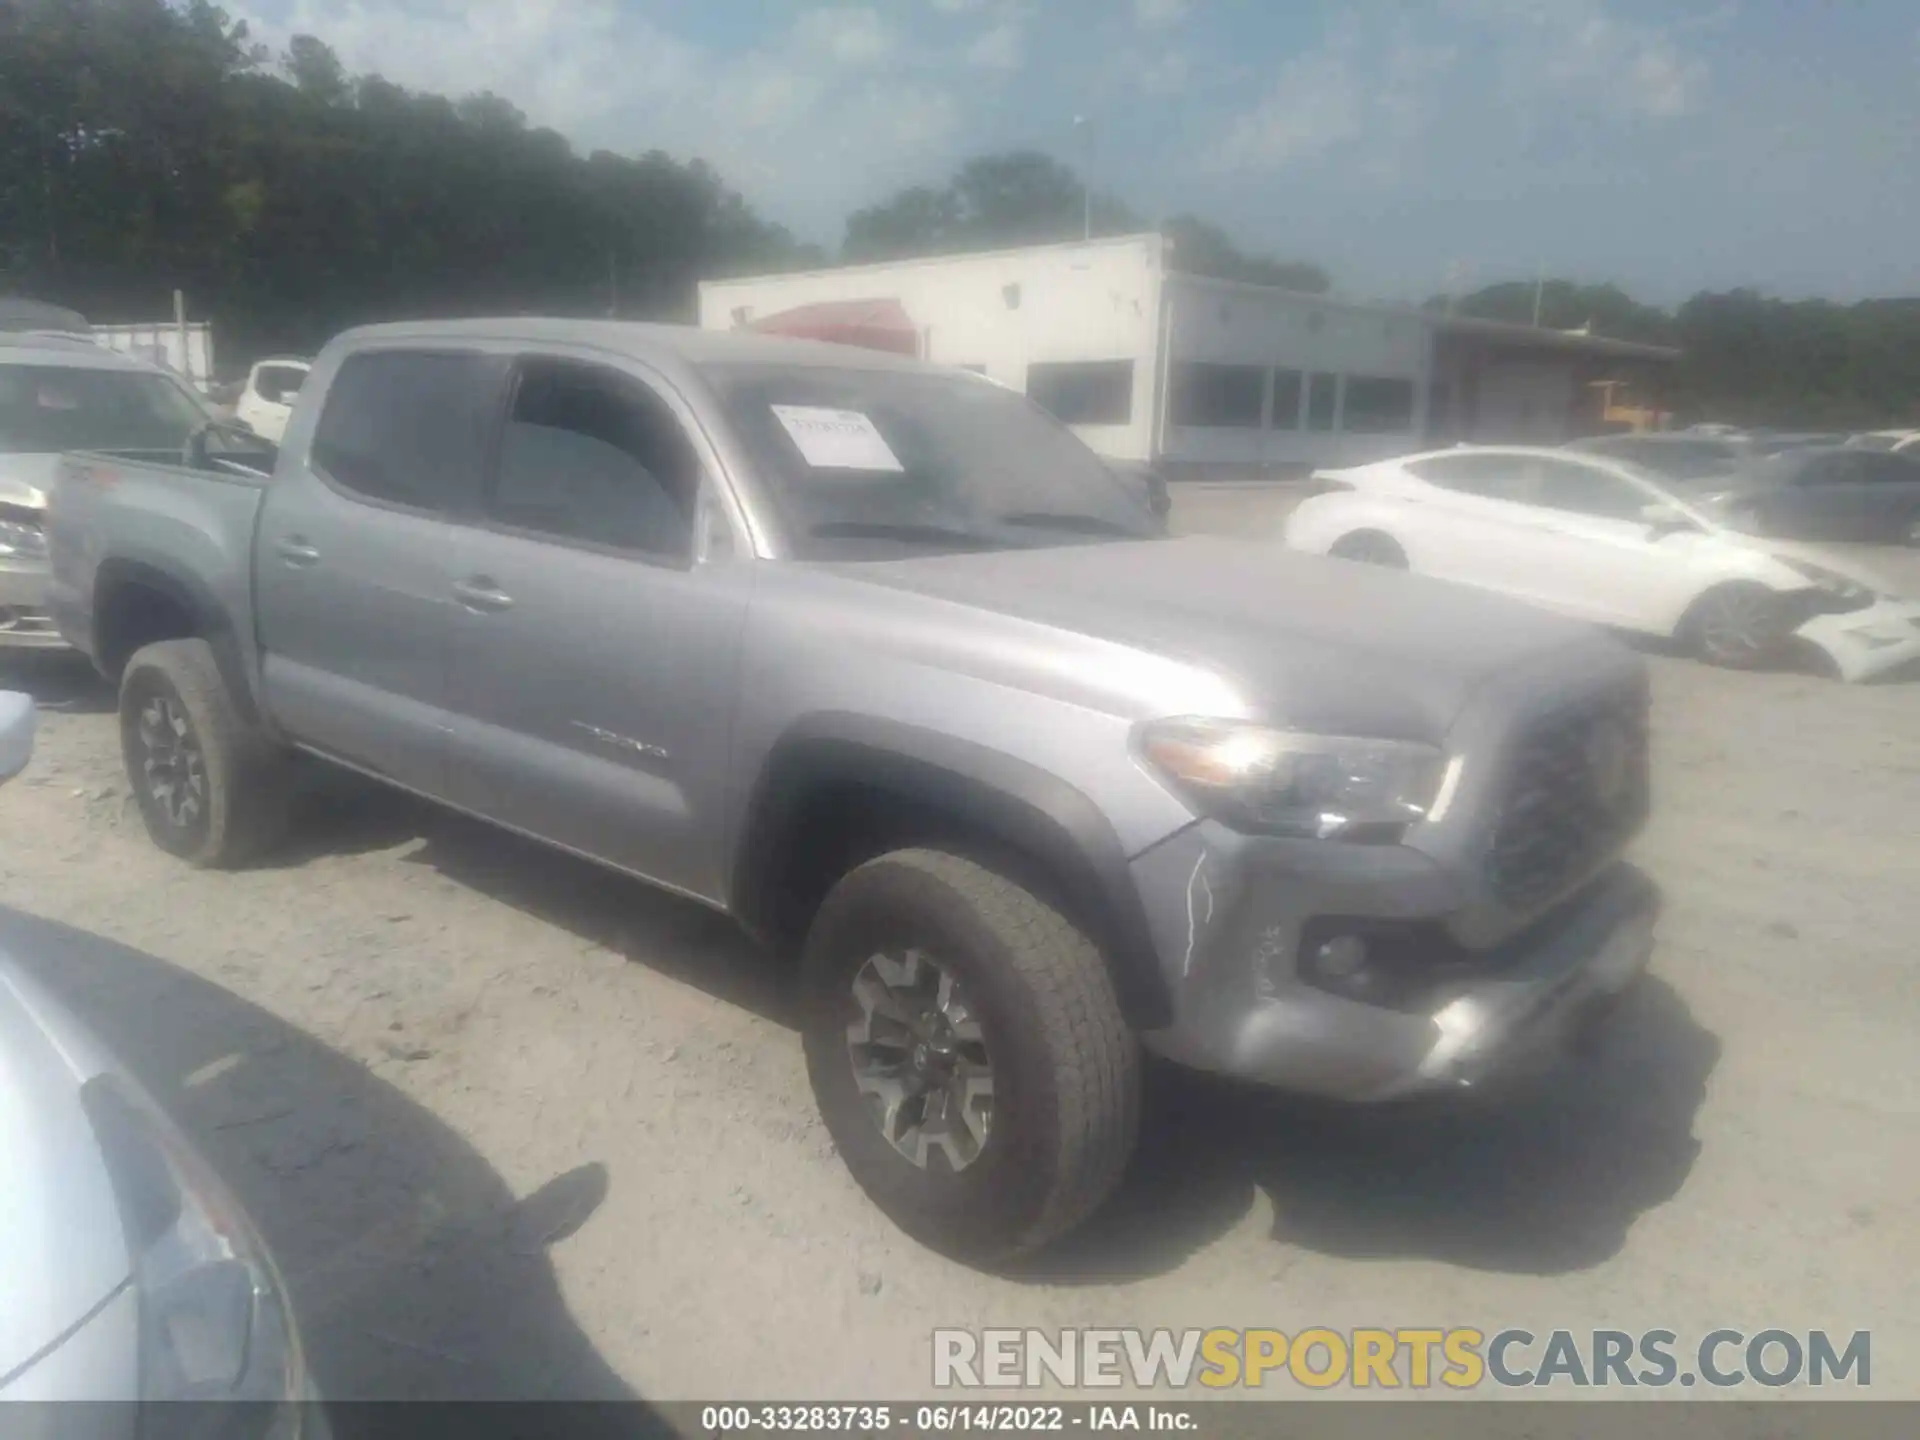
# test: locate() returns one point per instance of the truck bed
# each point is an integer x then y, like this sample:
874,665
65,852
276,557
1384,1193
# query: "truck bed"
168,519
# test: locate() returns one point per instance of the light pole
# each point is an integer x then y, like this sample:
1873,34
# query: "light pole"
1085,126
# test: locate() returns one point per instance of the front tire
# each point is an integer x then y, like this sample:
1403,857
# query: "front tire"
967,1053
1740,626
211,787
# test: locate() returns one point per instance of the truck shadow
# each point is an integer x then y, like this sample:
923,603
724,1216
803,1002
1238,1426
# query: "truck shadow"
1545,1178
341,814
415,1271
58,680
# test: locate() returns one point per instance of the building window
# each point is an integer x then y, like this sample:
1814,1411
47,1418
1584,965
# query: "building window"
1226,397
1321,393
1377,405
1083,392
1286,400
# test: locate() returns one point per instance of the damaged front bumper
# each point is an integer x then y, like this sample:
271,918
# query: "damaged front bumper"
1243,926
1867,643
23,605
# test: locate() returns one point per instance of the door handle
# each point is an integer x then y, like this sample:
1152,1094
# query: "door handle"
480,594
296,551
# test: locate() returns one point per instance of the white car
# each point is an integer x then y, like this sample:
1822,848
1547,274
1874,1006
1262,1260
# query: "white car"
267,400
131,1273
1900,442
64,392
1604,540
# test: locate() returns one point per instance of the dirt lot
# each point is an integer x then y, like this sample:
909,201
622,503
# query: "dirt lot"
517,1127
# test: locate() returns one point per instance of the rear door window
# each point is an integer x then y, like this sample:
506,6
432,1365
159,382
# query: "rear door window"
1587,490
409,428
1492,477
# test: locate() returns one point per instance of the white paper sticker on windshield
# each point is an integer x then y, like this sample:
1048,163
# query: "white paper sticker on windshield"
836,439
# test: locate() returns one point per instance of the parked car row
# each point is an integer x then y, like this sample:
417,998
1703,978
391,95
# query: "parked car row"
1631,536
1820,490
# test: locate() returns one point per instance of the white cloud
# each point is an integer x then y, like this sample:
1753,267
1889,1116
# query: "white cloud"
1375,86
1002,48
850,36
811,122
1583,51
956,7
1162,74
1318,101
1158,14
571,64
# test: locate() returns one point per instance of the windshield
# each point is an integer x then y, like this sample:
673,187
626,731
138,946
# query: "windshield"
924,460
48,408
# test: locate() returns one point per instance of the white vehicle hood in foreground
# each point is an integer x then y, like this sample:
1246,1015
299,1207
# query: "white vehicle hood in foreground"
62,1252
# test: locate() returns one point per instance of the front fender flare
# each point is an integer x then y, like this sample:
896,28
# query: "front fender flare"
991,793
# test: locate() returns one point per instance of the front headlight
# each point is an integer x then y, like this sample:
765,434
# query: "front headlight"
1841,587
18,538
1283,782
213,1318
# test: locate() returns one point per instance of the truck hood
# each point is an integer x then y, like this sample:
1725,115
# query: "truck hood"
62,1251
1308,642
26,479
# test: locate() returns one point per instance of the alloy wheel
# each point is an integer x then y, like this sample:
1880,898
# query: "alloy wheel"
920,1059
1737,626
172,768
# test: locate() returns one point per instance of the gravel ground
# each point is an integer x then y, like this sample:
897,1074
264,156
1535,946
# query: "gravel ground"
515,1126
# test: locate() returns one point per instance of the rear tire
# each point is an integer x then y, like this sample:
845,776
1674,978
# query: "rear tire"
211,787
1739,626
1370,547
1048,1140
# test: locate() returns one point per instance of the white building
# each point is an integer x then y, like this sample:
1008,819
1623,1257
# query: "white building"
1150,364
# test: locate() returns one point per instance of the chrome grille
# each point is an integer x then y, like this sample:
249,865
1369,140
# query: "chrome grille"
1576,789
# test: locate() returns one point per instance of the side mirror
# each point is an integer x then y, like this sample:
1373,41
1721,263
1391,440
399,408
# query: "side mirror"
18,721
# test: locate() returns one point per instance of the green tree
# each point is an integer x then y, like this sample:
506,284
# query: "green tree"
1566,305
1202,248
1019,197
146,146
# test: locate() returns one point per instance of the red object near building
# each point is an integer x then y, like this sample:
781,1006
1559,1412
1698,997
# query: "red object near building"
871,324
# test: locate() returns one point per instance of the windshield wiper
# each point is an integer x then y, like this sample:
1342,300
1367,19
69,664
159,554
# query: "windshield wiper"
899,530
1078,524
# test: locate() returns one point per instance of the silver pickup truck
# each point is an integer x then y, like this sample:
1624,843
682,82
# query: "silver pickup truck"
866,654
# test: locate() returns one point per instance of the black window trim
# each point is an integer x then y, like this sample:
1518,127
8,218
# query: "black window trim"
1259,423
1412,384
1133,381
457,515
1297,424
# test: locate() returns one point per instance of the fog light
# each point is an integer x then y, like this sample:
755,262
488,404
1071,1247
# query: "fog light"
1341,958
1340,964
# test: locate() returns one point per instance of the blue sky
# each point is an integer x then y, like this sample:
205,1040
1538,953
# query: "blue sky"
1666,146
